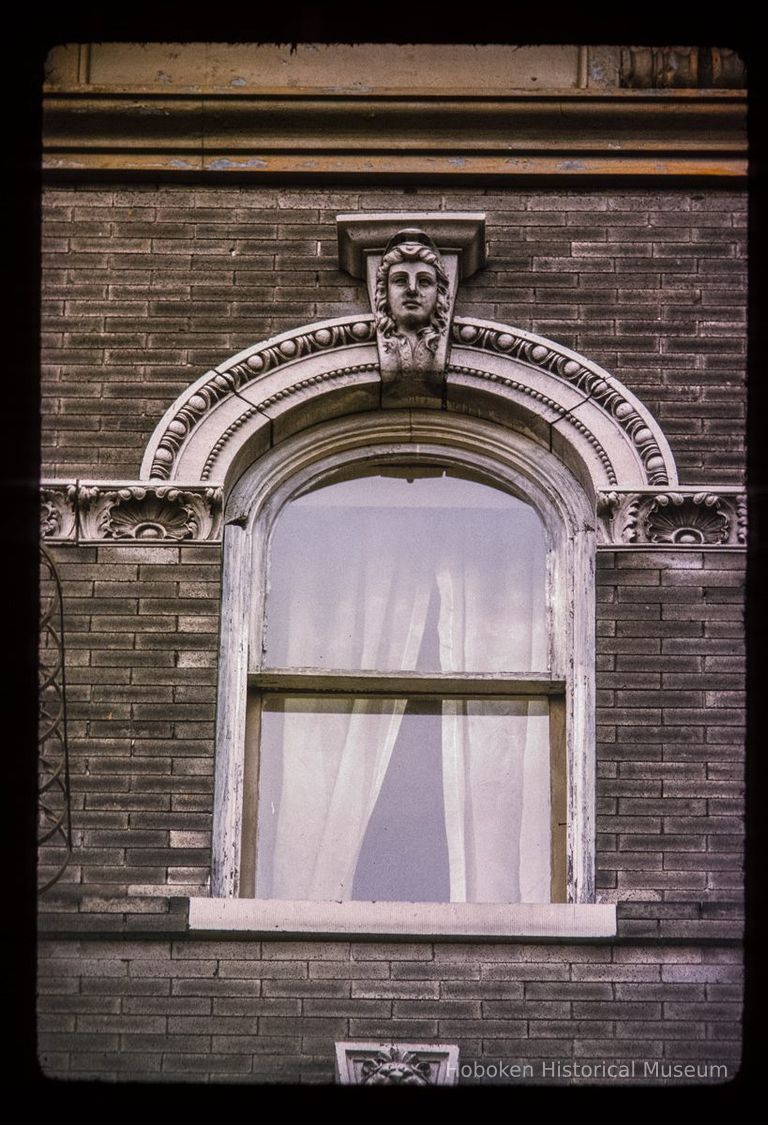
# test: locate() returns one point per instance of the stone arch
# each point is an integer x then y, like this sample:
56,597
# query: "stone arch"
274,389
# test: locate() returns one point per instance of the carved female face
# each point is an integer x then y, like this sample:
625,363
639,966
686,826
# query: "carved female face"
412,294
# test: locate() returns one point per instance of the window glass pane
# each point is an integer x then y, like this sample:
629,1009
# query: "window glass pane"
397,800
397,572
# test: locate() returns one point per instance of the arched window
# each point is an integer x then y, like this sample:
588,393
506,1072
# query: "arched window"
403,691
358,673
406,703
356,676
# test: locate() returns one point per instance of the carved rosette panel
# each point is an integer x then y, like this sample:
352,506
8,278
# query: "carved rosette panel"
233,377
58,511
699,519
149,513
549,358
393,1064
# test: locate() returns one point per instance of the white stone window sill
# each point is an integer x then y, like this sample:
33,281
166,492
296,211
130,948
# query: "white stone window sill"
404,919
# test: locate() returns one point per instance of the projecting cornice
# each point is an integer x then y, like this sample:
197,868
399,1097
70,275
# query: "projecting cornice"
447,132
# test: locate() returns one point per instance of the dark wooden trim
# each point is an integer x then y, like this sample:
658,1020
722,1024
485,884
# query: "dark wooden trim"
250,796
440,685
451,133
558,773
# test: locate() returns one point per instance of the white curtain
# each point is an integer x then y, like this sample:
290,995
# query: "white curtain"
351,591
364,607
495,753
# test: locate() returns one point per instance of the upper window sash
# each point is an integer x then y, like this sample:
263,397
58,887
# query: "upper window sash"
407,568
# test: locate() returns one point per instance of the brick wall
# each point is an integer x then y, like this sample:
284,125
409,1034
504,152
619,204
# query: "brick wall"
670,770
670,717
270,1011
145,289
141,632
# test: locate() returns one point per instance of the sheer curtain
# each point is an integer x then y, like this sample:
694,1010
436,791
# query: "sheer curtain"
495,753
350,589
364,606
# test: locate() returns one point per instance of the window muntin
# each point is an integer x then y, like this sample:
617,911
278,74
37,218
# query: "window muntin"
406,571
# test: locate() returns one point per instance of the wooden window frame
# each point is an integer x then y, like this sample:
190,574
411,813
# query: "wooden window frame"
310,682
493,453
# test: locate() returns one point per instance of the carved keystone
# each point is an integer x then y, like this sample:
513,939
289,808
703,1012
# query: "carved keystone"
412,264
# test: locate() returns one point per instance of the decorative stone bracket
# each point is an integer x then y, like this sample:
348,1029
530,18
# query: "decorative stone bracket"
689,517
88,511
115,511
58,510
397,1064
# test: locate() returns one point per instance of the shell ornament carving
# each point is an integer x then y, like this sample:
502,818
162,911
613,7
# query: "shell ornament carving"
149,517
687,521
672,519
149,514
131,511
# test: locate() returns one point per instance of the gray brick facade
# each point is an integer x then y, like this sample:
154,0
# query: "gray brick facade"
270,1011
145,288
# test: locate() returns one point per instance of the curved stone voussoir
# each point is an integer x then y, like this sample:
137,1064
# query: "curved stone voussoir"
254,376
628,443
529,384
